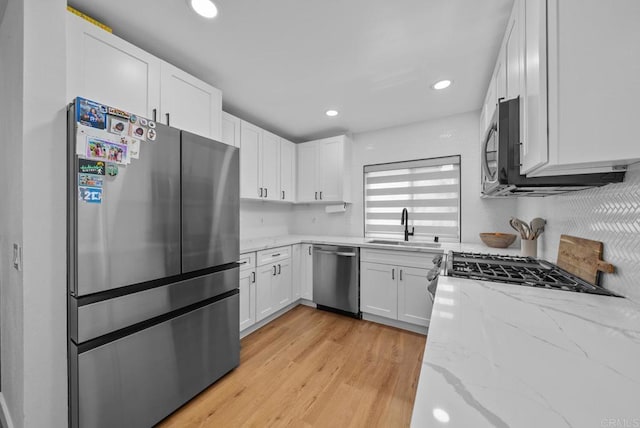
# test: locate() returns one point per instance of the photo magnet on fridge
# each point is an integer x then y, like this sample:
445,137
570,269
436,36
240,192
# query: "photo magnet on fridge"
118,126
90,180
92,195
90,113
86,166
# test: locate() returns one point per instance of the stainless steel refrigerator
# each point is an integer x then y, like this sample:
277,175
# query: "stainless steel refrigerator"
153,278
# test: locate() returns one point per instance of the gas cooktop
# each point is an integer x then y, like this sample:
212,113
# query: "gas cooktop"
519,271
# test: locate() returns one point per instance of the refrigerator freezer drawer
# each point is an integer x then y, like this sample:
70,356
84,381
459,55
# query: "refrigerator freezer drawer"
210,203
100,318
140,379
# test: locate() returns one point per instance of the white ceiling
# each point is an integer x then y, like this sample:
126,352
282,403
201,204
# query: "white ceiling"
282,63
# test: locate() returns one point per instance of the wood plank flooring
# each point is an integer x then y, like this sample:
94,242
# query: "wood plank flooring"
312,368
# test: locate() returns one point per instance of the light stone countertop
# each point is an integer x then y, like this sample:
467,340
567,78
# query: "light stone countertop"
250,245
502,355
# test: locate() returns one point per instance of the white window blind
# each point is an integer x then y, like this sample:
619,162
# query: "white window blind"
429,189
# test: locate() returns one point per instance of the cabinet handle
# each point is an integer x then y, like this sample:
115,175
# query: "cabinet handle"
253,275
316,196
155,114
266,192
320,195
279,269
167,119
393,274
261,192
309,249
274,271
400,274
275,255
283,194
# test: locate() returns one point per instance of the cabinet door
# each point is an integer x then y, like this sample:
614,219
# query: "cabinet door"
490,104
307,272
414,302
296,271
247,298
379,289
106,69
266,298
189,103
287,170
534,149
250,142
270,168
501,77
307,172
513,51
330,170
284,290
230,129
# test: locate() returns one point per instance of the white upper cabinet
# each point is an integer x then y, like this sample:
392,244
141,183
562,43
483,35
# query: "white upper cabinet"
260,170
190,104
585,55
104,68
250,162
324,170
307,172
270,166
230,129
109,70
287,171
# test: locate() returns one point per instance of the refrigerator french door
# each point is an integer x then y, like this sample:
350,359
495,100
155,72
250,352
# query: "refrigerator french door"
153,311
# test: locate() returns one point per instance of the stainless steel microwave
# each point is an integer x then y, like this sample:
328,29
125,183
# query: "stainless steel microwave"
501,162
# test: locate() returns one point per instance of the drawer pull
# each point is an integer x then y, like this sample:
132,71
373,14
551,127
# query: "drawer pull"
275,255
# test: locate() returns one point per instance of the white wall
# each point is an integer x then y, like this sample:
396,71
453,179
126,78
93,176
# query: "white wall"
44,214
263,219
32,76
455,135
610,214
11,290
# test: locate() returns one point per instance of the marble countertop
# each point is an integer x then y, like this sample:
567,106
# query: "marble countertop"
249,245
503,355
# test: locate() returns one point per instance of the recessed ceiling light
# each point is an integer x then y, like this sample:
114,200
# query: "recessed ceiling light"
204,8
442,84
331,113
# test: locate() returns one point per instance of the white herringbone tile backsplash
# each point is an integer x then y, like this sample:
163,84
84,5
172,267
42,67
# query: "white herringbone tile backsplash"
610,214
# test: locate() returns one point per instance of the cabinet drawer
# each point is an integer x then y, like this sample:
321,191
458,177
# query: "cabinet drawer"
416,259
247,261
273,255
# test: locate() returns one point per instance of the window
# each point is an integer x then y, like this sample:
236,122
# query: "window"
429,189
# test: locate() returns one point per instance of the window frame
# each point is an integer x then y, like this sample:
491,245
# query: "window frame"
399,164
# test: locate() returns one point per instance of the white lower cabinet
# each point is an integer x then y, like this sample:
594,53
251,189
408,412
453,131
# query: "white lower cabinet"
414,304
274,288
393,285
378,290
247,298
247,290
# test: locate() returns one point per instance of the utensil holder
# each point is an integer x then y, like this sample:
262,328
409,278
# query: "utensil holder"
529,247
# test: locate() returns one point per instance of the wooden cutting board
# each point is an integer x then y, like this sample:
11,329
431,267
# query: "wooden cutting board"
583,258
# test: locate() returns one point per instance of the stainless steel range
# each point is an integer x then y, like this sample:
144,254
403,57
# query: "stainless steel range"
518,271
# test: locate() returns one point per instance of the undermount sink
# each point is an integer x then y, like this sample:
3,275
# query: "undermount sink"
405,243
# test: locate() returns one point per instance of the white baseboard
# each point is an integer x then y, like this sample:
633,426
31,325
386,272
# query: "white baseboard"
307,303
5,417
267,320
395,323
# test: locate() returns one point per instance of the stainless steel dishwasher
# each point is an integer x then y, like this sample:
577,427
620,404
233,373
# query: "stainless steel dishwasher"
336,279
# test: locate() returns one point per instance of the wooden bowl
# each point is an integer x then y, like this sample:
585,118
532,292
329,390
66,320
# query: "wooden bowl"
497,239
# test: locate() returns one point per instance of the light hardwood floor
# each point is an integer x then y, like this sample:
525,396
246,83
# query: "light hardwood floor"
312,368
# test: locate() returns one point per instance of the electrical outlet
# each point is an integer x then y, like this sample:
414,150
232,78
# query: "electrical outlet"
17,257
